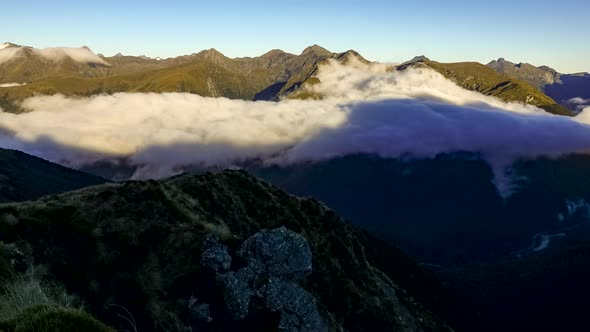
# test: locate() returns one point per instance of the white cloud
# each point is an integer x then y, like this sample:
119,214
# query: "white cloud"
80,55
7,54
367,110
579,101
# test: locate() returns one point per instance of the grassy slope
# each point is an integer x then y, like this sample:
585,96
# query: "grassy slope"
208,73
53,319
203,78
477,77
538,77
29,67
137,244
24,177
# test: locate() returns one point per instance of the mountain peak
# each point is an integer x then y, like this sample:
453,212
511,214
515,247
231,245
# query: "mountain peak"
500,60
211,51
8,45
418,58
501,63
317,49
211,54
351,54
274,52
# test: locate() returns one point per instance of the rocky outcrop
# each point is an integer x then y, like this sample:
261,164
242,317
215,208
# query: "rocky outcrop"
146,246
215,256
276,261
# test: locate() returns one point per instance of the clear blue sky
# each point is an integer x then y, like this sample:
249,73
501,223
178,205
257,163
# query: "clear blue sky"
554,33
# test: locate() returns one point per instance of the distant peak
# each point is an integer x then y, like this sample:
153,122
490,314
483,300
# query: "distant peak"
118,55
500,63
502,60
274,52
211,53
547,68
8,45
351,54
317,49
419,58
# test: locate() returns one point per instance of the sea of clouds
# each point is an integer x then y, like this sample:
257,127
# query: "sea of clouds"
366,109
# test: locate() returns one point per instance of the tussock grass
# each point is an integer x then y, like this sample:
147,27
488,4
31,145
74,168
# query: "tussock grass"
23,291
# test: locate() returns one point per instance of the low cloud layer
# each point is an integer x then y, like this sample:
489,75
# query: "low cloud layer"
80,55
366,110
579,103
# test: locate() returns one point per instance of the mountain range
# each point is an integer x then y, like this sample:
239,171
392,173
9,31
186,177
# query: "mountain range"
450,238
207,73
570,90
26,71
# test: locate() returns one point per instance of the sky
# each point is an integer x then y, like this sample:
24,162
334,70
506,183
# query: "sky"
540,32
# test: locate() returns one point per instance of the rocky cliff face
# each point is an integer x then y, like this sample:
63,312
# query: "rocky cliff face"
569,90
489,81
539,77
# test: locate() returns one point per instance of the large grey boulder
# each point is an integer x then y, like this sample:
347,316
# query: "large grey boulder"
276,260
237,293
278,253
215,256
297,306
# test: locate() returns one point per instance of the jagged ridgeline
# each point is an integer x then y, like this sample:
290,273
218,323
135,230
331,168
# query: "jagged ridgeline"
207,73
208,252
477,77
25,72
563,88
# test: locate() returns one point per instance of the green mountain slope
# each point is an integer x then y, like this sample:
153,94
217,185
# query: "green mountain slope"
563,88
137,245
477,77
24,177
207,73
538,77
28,65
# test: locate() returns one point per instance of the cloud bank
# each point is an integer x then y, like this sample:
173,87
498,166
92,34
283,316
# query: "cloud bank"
579,103
80,55
366,110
